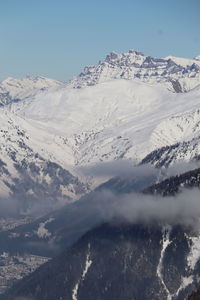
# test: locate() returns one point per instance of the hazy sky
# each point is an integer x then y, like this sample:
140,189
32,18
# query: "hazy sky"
57,38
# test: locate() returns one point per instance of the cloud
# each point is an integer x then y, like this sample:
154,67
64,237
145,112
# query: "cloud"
8,206
128,169
119,168
182,167
134,207
183,209
13,207
44,246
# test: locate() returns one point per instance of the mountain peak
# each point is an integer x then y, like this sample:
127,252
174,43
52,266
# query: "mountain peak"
127,58
15,89
8,79
197,57
136,65
184,62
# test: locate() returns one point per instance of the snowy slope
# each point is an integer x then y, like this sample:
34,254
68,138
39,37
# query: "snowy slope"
12,89
197,57
184,61
29,173
123,108
112,120
108,118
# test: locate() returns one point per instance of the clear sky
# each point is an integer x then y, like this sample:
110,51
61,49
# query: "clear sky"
57,38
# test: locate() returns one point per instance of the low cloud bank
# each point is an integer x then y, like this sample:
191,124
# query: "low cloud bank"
183,209
13,207
119,168
134,207
8,206
181,167
130,169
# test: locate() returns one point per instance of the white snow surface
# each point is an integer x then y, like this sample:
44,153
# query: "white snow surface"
111,120
197,57
43,232
88,263
111,117
184,61
18,89
194,254
185,281
165,243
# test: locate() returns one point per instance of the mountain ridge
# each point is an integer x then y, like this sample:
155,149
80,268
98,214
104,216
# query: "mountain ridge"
134,64
13,90
119,117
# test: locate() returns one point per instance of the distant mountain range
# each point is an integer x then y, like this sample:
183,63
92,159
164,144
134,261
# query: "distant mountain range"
13,90
129,106
81,140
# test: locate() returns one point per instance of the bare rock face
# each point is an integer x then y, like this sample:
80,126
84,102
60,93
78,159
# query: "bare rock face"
180,75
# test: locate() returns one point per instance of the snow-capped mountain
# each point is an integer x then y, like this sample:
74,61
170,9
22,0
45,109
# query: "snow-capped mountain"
124,108
184,62
179,74
113,120
132,107
28,171
12,89
197,58
179,136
